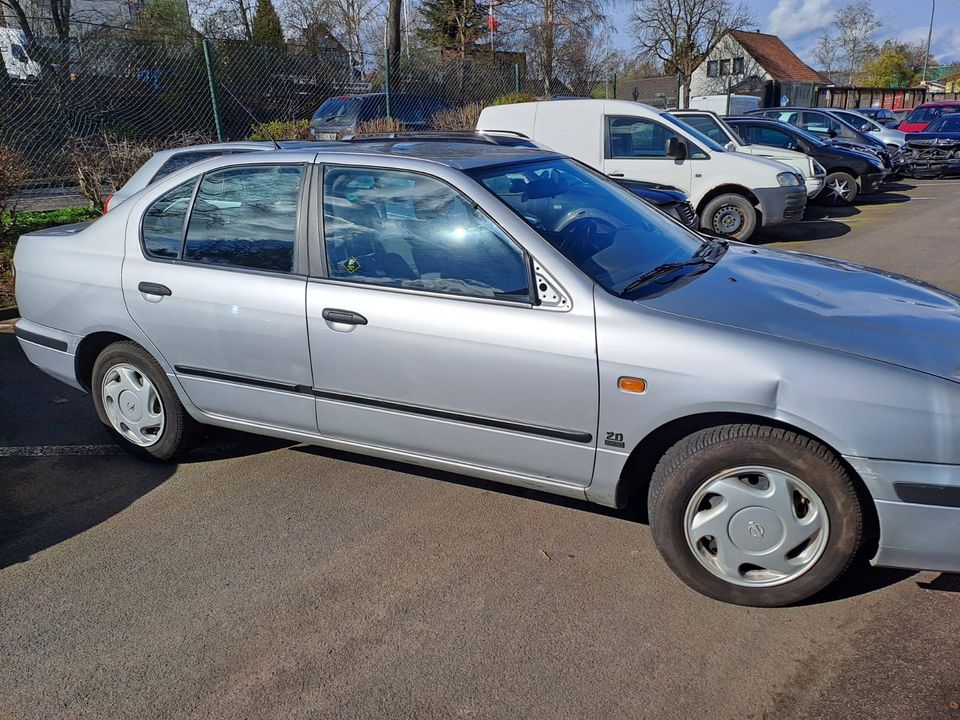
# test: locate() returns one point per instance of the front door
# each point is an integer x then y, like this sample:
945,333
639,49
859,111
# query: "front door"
635,148
424,337
217,287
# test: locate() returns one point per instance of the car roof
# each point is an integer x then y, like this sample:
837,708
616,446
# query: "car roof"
940,103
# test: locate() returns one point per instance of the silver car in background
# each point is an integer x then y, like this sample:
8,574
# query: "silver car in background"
510,314
893,138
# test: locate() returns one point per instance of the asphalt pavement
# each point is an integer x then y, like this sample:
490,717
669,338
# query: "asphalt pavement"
263,579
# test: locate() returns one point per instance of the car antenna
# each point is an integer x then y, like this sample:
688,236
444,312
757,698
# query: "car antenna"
260,125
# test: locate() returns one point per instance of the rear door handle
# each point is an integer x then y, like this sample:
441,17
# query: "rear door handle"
615,174
149,288
347,317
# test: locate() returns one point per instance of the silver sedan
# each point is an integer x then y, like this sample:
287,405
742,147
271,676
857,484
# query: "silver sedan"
509,314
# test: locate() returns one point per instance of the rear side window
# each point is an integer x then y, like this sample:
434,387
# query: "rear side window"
182,160
163,222
246,217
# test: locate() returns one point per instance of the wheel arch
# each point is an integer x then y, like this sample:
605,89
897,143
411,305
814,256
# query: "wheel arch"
723,190
89,349
637,472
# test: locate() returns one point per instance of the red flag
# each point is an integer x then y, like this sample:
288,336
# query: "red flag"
492,24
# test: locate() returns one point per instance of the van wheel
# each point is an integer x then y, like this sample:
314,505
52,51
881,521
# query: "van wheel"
754,515
138,405
839,188
731,216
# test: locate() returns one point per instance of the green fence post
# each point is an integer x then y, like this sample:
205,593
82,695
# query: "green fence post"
386,80
213,91
516,78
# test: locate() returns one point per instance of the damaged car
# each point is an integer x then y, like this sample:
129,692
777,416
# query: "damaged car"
935,151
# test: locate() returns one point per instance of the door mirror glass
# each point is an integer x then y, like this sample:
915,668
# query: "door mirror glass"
676,148
730,147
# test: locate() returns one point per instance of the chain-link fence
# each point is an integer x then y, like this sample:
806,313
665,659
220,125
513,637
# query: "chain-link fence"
58,96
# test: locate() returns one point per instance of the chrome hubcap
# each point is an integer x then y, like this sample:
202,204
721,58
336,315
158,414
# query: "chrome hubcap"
728,220
132,404
756,526
839,189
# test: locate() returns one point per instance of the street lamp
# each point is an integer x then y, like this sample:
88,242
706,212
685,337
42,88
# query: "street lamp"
926,55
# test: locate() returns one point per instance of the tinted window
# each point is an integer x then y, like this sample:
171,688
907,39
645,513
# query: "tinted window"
177,162
611,235
372,107
770,136
947,123
926,114
163,221
406,230
633,137
246,217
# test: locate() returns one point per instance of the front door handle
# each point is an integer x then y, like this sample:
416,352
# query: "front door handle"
347,317
615,174
149,288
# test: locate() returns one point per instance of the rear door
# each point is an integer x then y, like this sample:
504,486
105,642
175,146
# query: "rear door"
425,337
214,275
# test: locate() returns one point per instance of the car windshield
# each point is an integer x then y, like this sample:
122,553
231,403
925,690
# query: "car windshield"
603,229
693,132
338,111
949,123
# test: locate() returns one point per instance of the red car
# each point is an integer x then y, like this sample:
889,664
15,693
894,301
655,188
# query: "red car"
923,115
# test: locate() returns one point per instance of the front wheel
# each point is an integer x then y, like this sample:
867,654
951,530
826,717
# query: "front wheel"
729,215
754,515
839,188
137,404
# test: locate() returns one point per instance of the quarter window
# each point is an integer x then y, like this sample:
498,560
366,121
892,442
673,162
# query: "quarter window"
246,217
181,160
163,222
398,229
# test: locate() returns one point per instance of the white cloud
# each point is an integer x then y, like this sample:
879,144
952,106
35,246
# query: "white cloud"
799,18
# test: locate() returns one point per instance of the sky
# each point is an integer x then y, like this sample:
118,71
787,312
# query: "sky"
799,22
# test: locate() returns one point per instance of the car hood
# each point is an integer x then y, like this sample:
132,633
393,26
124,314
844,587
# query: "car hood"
827,303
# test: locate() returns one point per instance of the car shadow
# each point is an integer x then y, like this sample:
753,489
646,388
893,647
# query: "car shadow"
860,579
48,499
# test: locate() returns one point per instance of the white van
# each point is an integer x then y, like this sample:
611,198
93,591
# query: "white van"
713,126
725,104
733,193
18,64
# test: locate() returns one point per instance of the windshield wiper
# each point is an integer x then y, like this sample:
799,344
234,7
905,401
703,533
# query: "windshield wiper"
707,254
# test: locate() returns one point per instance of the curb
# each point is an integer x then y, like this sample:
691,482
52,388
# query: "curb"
9,313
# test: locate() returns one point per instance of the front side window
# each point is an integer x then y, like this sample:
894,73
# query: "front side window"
246,217
163,222
635,137
609,234
406,230
708,126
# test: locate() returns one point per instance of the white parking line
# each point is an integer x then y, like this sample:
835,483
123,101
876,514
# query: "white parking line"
58,450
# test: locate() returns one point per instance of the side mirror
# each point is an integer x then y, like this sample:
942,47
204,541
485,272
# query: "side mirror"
867,128
832,133
730,147
676,148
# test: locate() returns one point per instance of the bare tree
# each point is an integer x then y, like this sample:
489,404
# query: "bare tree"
856,25
681,33
585,57
356,24
827,53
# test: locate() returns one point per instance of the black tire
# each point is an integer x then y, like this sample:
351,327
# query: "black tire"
729,215
179,429
839,188
684,469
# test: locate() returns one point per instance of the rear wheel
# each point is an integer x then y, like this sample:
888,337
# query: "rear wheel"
839,188
137,404
754,515
729,215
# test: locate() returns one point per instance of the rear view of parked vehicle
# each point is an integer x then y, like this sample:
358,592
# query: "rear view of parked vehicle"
340,116
733,193
849,173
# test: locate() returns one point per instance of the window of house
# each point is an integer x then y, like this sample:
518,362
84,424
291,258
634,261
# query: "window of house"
712,68
400,229
738,66
725,67
246,217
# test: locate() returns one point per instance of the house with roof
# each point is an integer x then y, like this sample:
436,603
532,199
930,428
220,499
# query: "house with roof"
743,57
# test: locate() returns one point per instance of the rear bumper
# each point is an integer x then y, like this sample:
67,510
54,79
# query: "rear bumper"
918,506
781,205
52,351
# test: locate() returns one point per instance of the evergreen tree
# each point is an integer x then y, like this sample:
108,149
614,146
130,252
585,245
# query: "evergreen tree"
452,24
266,28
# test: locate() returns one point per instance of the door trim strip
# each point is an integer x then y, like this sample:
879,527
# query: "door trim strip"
480,420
